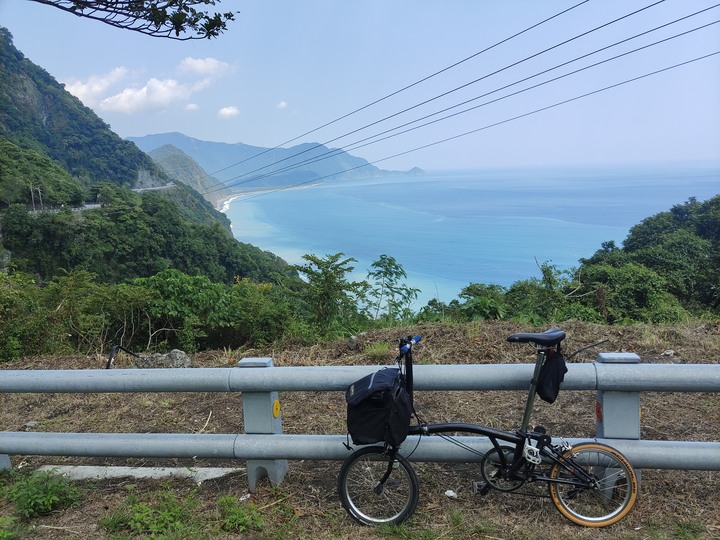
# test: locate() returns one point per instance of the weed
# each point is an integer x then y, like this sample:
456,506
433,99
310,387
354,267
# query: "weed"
9,528
40,492
377,351
165,516
689,530
238,517
456,519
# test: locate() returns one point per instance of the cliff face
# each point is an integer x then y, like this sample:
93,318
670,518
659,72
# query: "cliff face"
38,114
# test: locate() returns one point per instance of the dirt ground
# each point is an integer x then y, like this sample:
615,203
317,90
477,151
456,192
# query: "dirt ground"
672,504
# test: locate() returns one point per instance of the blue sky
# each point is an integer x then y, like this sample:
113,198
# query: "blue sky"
285,68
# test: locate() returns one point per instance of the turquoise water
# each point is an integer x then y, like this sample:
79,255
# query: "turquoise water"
449,229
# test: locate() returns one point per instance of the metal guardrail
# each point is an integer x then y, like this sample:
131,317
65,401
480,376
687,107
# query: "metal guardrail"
472,377
265,447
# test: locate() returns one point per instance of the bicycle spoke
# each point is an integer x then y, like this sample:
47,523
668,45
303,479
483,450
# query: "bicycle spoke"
370,502
593,485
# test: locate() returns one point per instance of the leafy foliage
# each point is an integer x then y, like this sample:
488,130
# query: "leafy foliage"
132,236
179,19
163,515
331,299
387,295
237,517
9,529
40,493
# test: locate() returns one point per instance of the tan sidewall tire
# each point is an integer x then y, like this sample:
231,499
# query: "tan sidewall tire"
632,479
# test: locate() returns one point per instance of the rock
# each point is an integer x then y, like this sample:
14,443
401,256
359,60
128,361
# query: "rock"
174,359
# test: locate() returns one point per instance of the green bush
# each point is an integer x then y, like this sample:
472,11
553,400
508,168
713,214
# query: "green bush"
40,493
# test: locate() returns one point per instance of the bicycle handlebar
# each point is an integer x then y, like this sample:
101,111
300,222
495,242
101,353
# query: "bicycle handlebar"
409,344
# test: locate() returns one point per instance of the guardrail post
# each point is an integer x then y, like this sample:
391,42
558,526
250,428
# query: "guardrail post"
261,415
618,413
5,462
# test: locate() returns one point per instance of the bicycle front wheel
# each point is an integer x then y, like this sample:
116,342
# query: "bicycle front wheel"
366,499
593,485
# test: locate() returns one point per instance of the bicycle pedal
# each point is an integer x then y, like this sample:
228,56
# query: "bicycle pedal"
480,488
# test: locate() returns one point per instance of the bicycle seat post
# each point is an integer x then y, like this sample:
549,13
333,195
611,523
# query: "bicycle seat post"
550,339
539,359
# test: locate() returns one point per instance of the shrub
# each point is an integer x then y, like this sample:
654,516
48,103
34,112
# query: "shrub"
40,493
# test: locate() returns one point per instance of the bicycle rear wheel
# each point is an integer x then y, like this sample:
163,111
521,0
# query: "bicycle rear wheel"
610,497
370,502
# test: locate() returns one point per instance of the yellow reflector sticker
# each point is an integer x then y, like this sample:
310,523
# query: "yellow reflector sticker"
276,408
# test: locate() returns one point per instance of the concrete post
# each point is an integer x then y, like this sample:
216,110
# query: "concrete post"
261,415
5,462
618,413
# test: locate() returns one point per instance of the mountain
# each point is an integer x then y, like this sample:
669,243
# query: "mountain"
243,167
75,196
36,113
178,165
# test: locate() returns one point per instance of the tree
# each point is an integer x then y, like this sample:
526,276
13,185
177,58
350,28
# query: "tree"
329,295
172,19
484,301
389,296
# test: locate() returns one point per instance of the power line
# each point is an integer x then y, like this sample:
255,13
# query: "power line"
565,42
495,124
396,92
353,147
357,144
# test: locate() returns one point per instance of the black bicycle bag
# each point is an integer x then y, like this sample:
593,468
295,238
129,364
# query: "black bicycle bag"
552,374
379,408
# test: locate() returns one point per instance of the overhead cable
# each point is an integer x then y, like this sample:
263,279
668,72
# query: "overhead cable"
495,124
396,92
313,147
364,142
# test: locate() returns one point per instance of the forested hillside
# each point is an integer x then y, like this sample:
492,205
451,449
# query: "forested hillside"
66,201
178,165
36,113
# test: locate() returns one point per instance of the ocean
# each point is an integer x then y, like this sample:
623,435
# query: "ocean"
451,228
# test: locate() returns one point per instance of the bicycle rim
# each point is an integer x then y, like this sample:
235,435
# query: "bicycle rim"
614,489
361,497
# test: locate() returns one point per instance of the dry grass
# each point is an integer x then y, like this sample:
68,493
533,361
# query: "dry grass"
672,504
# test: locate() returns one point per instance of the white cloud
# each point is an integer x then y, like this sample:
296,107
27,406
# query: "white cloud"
203,66
282,105
228,112
155,95
104,92
90,92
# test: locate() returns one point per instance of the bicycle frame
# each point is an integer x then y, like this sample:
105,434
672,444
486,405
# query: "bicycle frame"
518,439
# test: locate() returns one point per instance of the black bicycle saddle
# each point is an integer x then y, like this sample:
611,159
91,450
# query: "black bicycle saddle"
548,338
